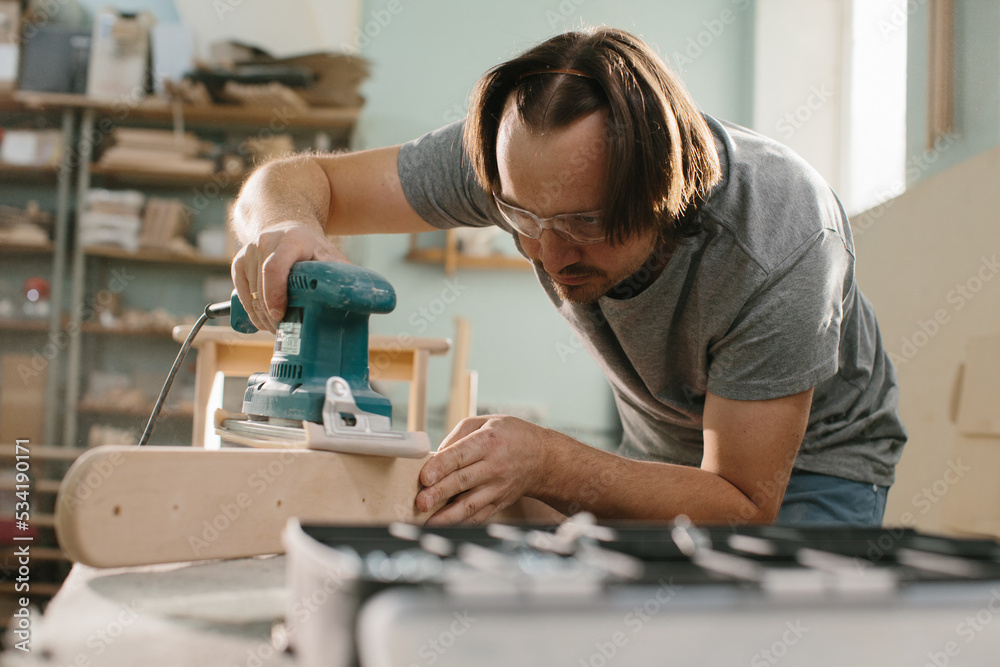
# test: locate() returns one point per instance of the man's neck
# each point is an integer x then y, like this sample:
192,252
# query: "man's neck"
645,276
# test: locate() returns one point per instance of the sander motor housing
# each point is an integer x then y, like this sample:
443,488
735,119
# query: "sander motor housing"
323,334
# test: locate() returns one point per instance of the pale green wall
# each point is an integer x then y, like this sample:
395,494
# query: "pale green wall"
977,87
426,58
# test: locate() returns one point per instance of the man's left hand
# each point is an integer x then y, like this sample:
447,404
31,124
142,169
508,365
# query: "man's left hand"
484,466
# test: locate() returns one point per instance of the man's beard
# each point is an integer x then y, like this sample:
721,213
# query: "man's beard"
588,292
601,282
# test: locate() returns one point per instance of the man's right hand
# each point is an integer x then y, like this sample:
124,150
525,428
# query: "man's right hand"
285,206
260,269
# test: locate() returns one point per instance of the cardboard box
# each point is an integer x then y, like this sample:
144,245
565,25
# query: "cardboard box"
119,55
31,147
972,483
22,400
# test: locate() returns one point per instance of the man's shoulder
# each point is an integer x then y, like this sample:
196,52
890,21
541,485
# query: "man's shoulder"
770,199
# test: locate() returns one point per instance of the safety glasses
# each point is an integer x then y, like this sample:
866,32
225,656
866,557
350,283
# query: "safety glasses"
581,228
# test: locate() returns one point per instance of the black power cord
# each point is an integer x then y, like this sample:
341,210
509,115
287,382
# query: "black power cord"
212,311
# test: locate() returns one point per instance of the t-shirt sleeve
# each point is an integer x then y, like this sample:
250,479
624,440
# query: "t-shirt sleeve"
440,184
785,339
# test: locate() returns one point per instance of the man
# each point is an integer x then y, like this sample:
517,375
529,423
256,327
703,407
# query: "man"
707,269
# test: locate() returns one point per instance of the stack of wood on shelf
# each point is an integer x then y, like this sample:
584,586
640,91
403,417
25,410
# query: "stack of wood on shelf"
112,217
271,95
128,219
29,226
157,151
165,225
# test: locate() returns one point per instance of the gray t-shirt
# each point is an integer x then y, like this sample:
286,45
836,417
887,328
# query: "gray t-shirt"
760,304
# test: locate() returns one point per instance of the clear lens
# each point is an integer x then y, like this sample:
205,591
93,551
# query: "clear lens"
575,227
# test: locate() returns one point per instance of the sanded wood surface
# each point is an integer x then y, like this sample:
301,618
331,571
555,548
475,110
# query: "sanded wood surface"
124,506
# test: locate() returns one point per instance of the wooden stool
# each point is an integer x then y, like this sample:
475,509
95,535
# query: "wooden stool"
222,350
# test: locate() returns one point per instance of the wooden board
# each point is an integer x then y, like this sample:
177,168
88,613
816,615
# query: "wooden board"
125,506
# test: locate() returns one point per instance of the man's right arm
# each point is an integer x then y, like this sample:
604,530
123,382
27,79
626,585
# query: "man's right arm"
287,208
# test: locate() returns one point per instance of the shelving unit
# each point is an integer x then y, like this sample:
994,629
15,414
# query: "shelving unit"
144,332
147,255
158,110
70,265
19,172
61,176
167,412
97,119
25,325
160,178
453,259
27,248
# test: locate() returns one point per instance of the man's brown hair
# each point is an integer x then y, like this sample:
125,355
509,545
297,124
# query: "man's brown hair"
661,154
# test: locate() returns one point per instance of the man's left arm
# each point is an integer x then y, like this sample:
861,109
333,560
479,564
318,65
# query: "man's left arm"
488,463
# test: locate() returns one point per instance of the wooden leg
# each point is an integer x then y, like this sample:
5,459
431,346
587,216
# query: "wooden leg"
462,402
205,368
416,418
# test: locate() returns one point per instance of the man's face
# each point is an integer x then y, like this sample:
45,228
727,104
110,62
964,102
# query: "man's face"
564,171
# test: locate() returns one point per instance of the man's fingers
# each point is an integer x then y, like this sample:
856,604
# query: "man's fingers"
244,265
285,248
446,461
460,480
463,429
473,507
274,279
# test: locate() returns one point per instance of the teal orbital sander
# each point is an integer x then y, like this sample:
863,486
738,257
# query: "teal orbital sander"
316,393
